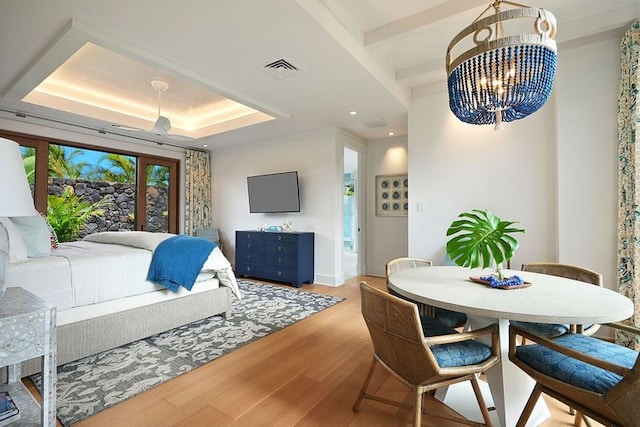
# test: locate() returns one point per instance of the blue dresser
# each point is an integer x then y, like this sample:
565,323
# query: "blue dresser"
279,257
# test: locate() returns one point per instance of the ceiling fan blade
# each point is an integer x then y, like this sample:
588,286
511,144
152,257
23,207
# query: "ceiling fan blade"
127,128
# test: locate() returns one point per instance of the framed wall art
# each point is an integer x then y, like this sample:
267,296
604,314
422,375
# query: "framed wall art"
392,195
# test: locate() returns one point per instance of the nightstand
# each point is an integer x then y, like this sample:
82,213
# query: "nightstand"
27,331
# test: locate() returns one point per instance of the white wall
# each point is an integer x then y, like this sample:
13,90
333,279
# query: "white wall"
554,172
387,237
317,156
587,155
455,167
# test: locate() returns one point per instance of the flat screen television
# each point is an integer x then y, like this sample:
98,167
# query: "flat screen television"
274,193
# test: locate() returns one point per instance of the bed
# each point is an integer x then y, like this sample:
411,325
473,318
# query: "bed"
100,289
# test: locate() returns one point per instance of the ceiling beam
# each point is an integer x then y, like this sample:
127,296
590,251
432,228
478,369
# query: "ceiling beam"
420,69
420,19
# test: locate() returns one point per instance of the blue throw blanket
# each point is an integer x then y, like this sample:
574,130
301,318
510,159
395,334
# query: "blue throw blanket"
177,261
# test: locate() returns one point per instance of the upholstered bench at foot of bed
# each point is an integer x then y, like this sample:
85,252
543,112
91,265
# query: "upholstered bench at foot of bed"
91,336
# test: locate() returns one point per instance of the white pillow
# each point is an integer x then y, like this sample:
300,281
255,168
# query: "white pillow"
136,239
35,234
17,247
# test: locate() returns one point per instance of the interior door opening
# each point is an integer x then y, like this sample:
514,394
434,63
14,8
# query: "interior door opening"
350,218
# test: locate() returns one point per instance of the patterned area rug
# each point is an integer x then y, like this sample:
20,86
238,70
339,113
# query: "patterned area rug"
97,382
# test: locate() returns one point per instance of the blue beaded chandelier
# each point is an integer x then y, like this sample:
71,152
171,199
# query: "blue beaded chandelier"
498,77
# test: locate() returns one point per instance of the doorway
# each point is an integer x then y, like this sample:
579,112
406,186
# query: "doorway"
350,212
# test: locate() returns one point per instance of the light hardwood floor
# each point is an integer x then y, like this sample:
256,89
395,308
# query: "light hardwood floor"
307,374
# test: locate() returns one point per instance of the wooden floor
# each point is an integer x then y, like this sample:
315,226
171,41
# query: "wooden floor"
307,374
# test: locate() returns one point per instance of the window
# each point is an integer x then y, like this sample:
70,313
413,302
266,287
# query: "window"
86,190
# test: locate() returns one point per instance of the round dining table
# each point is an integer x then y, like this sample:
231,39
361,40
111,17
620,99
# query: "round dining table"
545,299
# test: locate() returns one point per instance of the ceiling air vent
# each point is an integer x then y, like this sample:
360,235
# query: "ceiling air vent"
281,69
377,124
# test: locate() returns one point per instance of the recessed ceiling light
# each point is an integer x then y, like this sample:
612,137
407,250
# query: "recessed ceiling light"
391,133
353,113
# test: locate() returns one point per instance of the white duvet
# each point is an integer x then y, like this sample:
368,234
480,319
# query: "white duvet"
216,262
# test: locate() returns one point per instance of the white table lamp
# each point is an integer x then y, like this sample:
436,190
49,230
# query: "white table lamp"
15,197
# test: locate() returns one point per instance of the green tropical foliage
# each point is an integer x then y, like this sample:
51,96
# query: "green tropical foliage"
349,190
115,168
68,213
157,176
481,239
62,163
29,160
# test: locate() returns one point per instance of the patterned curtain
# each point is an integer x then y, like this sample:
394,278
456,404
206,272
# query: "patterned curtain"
197,213
629,176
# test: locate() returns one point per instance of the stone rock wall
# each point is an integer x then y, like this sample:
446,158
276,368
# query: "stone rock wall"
120,214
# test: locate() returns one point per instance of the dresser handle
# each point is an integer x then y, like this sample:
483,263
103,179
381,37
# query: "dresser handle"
279,273
248,245
279,260
279,237
279,247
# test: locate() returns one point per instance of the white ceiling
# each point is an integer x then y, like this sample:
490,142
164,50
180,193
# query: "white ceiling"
369,56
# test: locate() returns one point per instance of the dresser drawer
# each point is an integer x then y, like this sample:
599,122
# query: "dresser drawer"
256,270
281,249
281,237
250,257
281,274
249,241
250,246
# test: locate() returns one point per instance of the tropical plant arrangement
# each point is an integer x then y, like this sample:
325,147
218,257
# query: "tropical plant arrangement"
68,213
481,239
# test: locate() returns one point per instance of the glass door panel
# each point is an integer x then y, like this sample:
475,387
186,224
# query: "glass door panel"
158,210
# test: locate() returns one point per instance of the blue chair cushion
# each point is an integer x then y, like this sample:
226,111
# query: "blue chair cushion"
451,355
549,330
576,372
451,319
462,353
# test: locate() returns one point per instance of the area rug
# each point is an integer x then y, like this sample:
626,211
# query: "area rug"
97,382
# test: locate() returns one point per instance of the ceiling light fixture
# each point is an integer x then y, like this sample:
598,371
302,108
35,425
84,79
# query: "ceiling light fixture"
502,77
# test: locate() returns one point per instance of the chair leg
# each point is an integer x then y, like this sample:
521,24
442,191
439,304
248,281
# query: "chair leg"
356,405
528,408
417,418
481,402
579,418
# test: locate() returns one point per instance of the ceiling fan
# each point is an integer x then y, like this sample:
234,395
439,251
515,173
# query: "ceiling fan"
162,125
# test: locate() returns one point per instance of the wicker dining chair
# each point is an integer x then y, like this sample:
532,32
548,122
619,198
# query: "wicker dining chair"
449,318
599,379
570,272
423,363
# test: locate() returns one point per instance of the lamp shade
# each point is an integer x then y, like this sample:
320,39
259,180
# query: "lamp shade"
16,199
502,76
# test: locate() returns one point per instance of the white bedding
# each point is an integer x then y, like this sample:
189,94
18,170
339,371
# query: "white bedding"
47,277
103,267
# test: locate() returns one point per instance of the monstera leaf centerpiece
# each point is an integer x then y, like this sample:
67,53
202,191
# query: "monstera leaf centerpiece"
481,239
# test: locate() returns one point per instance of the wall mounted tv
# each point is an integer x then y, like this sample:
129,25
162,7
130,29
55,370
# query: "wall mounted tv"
274,193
